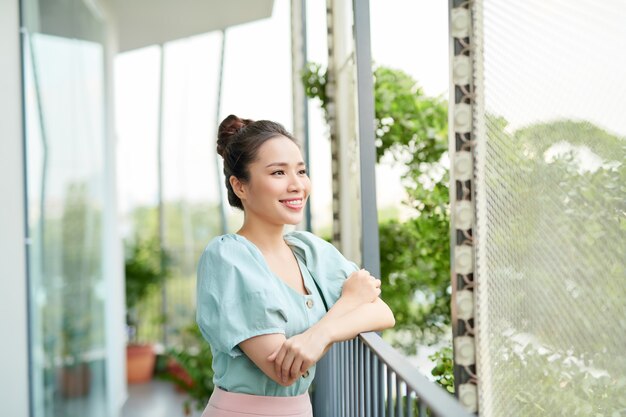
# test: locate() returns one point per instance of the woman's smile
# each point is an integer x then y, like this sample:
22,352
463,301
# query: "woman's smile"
294,204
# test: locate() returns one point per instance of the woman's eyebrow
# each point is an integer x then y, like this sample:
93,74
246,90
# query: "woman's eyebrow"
283,164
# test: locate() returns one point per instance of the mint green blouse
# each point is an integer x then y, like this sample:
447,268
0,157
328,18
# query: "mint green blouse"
238,297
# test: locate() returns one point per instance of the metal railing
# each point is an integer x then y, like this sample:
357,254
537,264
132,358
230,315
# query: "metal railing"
366,377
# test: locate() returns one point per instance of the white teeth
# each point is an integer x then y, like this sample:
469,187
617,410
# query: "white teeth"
294,202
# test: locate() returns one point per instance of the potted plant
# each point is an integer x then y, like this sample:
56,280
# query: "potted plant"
189,366
79,271
146,269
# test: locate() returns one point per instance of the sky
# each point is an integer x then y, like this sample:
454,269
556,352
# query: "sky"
257,85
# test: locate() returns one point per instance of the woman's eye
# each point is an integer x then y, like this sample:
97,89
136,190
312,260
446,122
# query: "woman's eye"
279,172
302,172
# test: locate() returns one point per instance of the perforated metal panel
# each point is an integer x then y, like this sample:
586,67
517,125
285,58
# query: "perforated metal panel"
550,184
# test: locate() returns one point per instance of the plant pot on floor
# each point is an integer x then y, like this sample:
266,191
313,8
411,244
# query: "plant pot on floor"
75,380
140,360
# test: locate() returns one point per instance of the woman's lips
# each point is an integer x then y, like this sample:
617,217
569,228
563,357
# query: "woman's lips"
293,204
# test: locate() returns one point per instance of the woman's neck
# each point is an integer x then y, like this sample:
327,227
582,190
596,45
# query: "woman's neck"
267,238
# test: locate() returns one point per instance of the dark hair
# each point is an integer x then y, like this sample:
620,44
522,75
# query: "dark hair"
238,141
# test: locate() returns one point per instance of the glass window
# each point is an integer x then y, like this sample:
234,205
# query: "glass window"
65,100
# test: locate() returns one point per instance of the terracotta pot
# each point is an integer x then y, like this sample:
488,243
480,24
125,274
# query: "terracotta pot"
140,361
178,372
75,381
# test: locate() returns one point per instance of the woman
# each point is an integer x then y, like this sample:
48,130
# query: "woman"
271,304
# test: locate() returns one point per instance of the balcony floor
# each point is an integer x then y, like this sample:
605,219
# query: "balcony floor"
155,399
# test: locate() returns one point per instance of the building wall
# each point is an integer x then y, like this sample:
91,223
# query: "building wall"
13,309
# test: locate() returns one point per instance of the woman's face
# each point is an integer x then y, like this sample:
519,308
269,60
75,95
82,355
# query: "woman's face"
279,185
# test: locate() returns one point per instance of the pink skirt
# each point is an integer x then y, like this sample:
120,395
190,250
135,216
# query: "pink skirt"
231,404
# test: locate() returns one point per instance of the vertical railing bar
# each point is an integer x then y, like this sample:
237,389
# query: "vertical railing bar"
423,411
341,383
342,389
361,378
359,386
409,401
398,396
351,379
381,388
389,393
374,393
333,381
357,378
367,395
347,367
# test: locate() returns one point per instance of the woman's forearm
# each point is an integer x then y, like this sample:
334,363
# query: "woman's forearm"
345,323
342,306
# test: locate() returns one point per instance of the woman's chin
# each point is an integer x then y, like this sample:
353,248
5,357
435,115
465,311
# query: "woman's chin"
294,219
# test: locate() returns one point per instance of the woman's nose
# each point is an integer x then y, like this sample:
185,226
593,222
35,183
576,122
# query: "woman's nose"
295,184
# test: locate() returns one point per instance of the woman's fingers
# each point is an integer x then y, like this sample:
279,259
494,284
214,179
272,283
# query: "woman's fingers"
295,367
286,366
273,355
278,362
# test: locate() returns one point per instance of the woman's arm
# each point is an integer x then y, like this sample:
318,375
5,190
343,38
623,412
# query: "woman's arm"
375,316
345,322
358,289
258,349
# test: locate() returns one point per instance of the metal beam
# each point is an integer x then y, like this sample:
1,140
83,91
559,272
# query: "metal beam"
367,148
160,191
218,160
300,100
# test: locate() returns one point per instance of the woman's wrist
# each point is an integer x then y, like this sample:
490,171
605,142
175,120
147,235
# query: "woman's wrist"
322,331
346,303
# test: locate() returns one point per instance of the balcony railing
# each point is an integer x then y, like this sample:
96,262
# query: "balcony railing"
365,377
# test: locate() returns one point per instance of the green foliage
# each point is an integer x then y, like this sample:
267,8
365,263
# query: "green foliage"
409,124
444,368
80,268
314,80
195,358
411,128
415,265
187,226
146,268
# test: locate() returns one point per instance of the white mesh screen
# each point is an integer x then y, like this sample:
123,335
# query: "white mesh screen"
551,207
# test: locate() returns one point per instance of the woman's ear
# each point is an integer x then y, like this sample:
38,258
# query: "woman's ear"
238,187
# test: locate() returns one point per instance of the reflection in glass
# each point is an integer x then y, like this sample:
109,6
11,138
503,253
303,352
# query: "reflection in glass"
64,96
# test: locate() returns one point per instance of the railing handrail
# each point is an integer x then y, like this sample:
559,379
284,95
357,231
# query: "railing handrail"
437,399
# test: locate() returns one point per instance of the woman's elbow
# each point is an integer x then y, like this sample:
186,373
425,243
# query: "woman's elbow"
390,319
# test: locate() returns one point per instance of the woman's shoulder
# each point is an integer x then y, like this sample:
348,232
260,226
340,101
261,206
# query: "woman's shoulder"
223,242
307,238
224,250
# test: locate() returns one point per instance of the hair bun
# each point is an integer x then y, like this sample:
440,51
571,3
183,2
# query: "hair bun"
229,127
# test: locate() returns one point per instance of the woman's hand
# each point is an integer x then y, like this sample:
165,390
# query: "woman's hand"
298,354
360,287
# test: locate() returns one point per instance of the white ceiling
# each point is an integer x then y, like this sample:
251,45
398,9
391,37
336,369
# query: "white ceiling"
142,23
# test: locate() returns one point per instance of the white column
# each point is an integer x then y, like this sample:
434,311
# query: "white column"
300,101
342,73
113,252
14,388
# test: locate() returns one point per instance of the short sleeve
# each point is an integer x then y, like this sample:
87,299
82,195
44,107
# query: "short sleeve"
232,303
326,264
